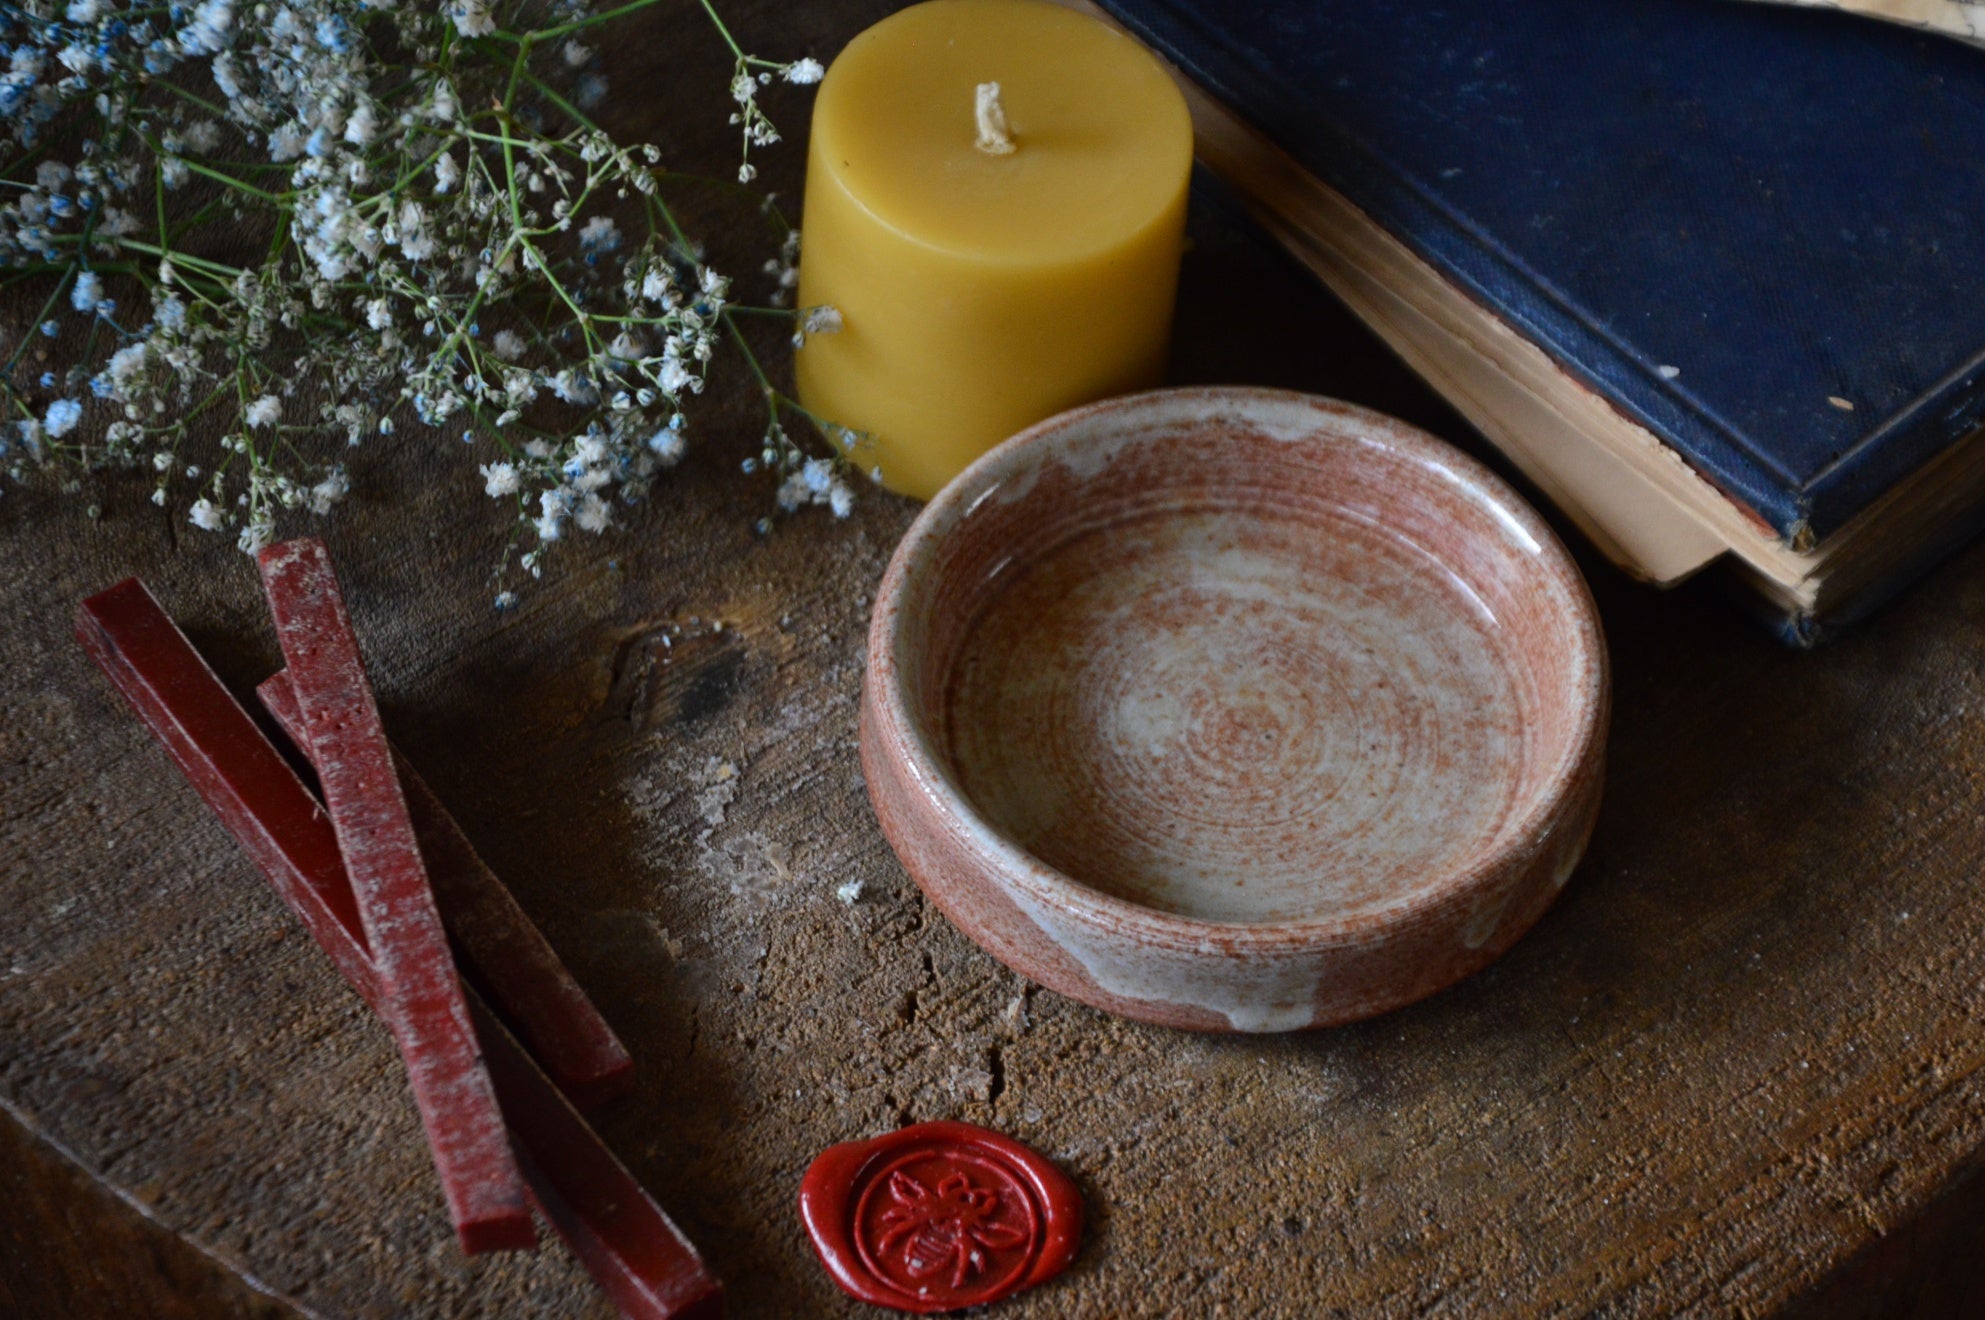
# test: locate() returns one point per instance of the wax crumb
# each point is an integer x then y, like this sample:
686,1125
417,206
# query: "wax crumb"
1667,372
1840,403
718,785
971,1083
849,892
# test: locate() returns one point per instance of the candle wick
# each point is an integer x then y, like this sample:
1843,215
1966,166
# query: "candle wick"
995,139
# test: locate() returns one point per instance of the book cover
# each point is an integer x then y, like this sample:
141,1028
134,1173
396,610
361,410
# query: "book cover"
1752,229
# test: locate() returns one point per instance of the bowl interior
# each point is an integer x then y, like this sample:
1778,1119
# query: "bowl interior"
1245,658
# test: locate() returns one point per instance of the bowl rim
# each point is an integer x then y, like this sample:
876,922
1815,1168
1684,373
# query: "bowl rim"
1521,841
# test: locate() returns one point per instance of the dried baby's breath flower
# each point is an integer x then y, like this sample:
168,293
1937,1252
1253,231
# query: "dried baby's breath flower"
444,234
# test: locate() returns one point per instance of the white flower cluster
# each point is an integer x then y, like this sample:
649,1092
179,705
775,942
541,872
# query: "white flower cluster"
816,482
498,268
748,75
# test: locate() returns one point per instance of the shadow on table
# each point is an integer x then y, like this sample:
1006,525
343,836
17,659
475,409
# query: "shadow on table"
1729,921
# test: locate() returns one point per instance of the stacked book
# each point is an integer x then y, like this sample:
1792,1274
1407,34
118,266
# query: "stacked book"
1705,271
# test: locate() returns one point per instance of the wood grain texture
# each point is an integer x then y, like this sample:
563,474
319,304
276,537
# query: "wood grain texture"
70,1246
1742,1052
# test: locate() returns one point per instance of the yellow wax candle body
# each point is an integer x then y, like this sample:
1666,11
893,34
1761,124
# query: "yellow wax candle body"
981,292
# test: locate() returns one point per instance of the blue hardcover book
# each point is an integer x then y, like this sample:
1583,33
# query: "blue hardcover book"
1707,270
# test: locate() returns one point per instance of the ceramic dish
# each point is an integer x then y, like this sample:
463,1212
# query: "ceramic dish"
1235,709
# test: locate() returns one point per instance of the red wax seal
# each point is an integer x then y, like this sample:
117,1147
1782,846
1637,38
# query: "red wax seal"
939,1216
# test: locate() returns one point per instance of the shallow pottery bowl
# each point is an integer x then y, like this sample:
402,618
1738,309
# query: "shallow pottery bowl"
1235,709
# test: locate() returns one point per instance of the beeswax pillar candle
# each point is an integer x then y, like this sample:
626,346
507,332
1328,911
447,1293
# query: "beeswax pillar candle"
995,201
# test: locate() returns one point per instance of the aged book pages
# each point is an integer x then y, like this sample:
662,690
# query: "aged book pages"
1638,500
1964,19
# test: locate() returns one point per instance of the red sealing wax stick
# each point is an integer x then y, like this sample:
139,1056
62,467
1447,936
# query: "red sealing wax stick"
939,1216
520,971
420,993
633,1251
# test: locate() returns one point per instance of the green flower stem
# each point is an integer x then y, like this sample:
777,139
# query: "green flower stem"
279,200
576,25
158,192
729,40
202,264
7,372
578,116
201,101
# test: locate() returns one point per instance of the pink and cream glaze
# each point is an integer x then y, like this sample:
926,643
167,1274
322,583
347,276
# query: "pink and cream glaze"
1234,709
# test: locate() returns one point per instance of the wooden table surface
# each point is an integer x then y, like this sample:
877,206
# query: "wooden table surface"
1736,1070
